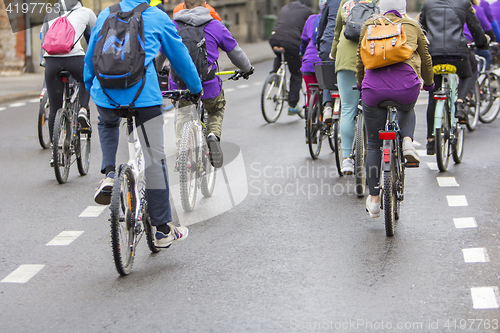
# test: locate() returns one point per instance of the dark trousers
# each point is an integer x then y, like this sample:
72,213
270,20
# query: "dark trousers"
294,61
55,87
375,119
149,122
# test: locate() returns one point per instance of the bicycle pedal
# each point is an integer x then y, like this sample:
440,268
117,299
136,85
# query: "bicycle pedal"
412,164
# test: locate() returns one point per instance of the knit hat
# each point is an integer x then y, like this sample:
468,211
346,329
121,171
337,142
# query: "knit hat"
387,5
321,4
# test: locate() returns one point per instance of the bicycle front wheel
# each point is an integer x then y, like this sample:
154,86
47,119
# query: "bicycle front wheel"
208,178
123,220
458,144
188,167
61,149
271,99
314,125
472,109
443,140
43,122
148,228
360,156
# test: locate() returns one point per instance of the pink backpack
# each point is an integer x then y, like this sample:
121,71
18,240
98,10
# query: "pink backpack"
60,37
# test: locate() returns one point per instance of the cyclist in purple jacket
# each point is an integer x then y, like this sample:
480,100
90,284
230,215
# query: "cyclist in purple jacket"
217,36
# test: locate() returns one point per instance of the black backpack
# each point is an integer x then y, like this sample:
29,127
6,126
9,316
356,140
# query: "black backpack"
119,51
357,17
194,39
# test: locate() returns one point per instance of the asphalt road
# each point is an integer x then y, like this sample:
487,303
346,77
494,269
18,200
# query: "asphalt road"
283,245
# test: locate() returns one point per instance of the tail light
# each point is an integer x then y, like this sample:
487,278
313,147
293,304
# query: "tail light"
387,155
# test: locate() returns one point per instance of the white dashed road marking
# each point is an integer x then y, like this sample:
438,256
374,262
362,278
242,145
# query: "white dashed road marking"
93,211
433,166
243,86
2,109
447,181
37,100
23,274
473,255
64,238
229,90
484,297
16,105
465,222
456,200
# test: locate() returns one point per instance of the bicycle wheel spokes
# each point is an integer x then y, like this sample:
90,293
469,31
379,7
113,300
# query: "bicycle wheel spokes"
61,148
472,108
83,152
271,99
360,156
148,228
43,122
123,220
188,167
315,126
443,141
458,144
491,99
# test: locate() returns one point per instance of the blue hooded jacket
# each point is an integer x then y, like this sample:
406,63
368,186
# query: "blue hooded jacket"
159,31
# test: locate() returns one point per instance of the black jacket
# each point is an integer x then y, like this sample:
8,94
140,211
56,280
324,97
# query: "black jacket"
290,23
443,21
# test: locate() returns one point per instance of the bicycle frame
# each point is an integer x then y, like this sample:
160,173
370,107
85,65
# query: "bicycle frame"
282,73
447,94
389,135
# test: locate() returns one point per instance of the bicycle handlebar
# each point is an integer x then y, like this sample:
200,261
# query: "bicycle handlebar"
177,94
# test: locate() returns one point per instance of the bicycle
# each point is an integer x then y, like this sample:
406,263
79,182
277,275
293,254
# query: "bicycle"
130,218
43,119
448,132
359,148
489,101
472,102
316,129
69,139
275,91
193,162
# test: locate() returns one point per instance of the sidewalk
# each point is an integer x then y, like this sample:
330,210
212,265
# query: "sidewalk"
23,86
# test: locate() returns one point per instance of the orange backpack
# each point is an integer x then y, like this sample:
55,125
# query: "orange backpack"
384,44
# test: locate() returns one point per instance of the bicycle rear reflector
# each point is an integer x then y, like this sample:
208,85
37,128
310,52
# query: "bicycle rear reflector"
335,95
387,135
387,155
440,97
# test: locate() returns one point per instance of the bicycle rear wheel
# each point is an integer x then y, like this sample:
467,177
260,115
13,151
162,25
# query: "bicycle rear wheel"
472,109
148,228
208,178
123,220
389,200
302,100
43,122
457,151
443,140
337,140
314,125
489,114
61,149
360,156
485,94
271,99
188,166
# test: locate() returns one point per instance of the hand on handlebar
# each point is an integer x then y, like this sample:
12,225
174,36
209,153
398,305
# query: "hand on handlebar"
195,97
246,75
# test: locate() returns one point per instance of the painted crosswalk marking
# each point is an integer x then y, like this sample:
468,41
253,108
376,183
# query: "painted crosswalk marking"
64,238
93,211
23,274
16,105
447,181
456,200
473,255
465,222
484,297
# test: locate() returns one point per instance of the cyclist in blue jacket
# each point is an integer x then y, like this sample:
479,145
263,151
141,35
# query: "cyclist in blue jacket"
159,31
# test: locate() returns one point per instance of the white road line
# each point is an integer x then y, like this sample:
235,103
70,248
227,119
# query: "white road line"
432,165
2,109
93,211
64,238
422,152
257,84
37,100
243,86
465,222
23,274
417,144
16,105
229,90
484,297
447,181
473,255
456,200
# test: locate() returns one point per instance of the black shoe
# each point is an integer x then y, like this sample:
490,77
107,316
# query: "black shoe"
215,151
431,147
460,112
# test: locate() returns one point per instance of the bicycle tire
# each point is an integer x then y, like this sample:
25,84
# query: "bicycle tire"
400,179
473,110
488,115
485,94
270,100
83,146
389,201
188,166
148,229
302,101
360,156
122,220
339,153
457,151
61,148
43,122
314,123
443,141
208,178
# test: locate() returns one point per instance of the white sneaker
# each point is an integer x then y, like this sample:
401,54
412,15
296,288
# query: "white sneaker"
372,208
328,112
348,166
176,234
410,153
102,194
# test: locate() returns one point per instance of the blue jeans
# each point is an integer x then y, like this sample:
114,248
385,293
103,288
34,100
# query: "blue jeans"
149,122
350,98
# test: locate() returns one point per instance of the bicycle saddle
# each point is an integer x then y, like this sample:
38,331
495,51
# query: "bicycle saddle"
444,69
64,74
386,104
279,49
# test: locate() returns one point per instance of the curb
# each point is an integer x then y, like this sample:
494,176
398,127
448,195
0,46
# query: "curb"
17,97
